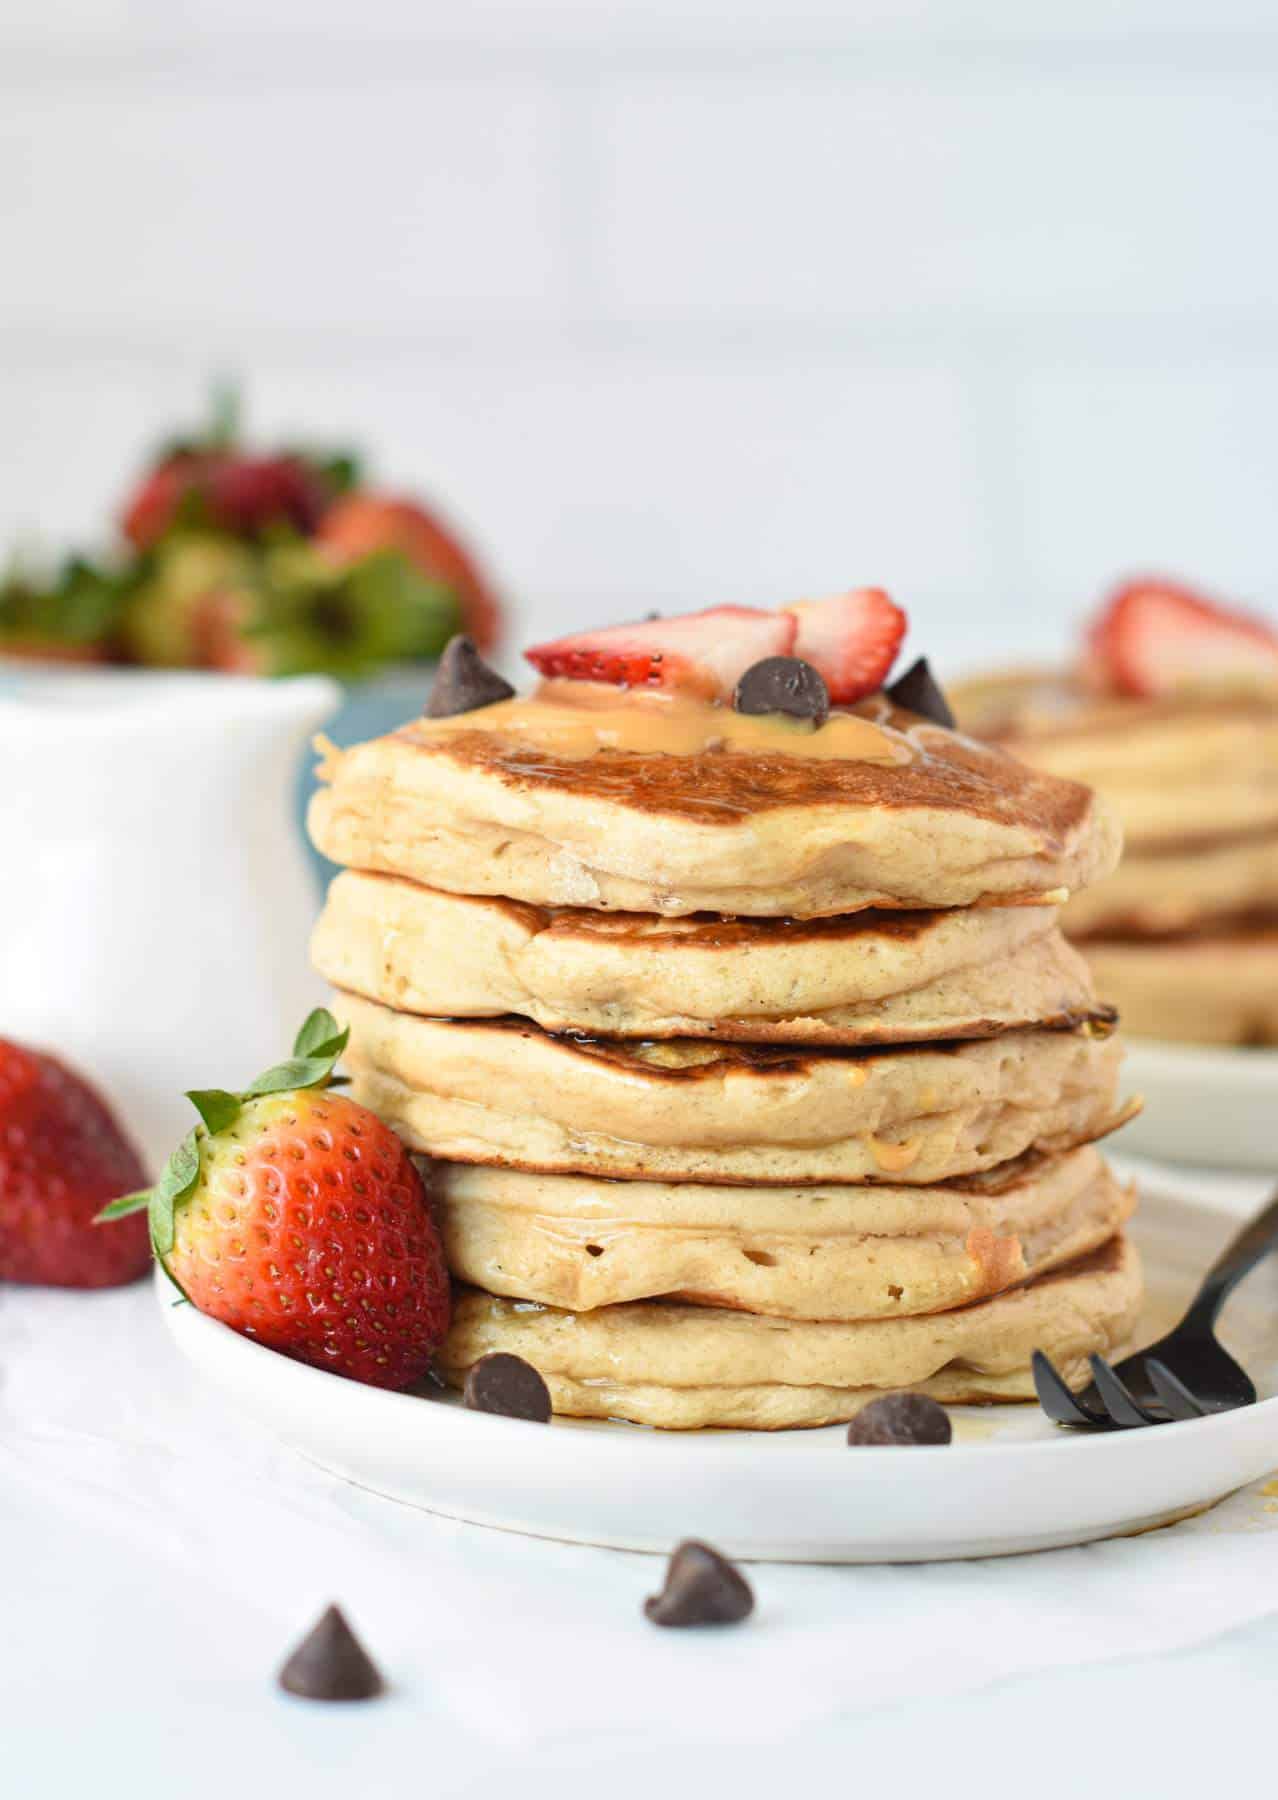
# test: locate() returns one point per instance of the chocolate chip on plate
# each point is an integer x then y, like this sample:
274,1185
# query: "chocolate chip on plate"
784,684
918,691
464,682
901,1419
330,1663
501,1383
702,1588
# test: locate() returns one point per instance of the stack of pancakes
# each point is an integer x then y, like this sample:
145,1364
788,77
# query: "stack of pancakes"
1184,938
754,1072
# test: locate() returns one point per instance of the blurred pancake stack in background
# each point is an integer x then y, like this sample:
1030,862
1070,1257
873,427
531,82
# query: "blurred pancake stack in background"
1173,715
725,992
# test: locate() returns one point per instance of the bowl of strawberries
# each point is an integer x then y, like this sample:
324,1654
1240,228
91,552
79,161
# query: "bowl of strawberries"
270,562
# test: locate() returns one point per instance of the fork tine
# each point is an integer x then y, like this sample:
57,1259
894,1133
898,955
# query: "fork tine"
1056,1399
1173,1393
1119,1402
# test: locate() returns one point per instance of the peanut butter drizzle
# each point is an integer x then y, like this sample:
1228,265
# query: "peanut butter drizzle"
895,1158
689,758
576,719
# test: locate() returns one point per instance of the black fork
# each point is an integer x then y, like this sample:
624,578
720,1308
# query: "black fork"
1185,1375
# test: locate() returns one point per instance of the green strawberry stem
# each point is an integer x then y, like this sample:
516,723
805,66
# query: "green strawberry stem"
225,414
316,1050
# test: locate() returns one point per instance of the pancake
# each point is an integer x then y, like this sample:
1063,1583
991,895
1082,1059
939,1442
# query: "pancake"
1180,770
802,1253
646,803
508,1093
1180,888
685,1367
866,978
1215,988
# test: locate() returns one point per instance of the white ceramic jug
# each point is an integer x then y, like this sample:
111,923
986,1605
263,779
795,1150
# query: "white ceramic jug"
155,900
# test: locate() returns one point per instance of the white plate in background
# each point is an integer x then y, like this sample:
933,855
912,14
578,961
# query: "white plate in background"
1010,1482
1214,1107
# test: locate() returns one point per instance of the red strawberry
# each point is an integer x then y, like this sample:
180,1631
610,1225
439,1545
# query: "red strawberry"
702,653
152,506
1156,638
244,495
360,524
296,1217
218,630
62,1158
851,639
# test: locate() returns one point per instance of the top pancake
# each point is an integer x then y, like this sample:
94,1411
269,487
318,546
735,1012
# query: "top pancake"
510,801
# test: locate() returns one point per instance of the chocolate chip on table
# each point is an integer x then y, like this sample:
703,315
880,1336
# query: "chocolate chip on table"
918,691
784,684
702,1588
506,1384
464,682
330,1663
901,1419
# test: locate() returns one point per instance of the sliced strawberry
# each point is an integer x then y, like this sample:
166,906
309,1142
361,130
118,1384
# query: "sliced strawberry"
851,639
702,653
1156,638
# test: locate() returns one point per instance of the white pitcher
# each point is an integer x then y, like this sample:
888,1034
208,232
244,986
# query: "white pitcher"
155,900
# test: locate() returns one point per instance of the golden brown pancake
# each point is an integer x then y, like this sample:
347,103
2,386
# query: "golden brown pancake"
685,1367
1195,770
1214,987
1195,781
1180,888
827,1252
511,1094
866,978
525,801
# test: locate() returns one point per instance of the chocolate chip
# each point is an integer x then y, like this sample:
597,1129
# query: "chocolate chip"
702,1588
901,1419
330,1663
506,1384
464,682
918,691
783,684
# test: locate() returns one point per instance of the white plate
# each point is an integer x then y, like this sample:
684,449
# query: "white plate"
1217,1108
1010,1482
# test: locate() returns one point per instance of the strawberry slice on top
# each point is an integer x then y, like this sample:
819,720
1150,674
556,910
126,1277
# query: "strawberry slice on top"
703,653
1156,638
850,639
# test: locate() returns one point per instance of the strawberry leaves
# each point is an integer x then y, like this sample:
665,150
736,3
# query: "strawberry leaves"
321,1036
316,1049
181,1172
218,1109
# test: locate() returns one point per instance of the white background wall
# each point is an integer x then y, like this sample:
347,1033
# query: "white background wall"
677,301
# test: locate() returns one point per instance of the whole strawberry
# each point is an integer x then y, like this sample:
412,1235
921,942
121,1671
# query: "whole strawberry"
296,1217
62,1158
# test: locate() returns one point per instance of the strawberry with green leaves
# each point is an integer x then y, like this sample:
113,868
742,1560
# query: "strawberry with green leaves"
293,1215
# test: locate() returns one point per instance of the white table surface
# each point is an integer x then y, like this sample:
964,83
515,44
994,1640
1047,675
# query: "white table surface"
158,1556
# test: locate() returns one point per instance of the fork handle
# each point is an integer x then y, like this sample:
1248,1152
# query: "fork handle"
1254,1241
